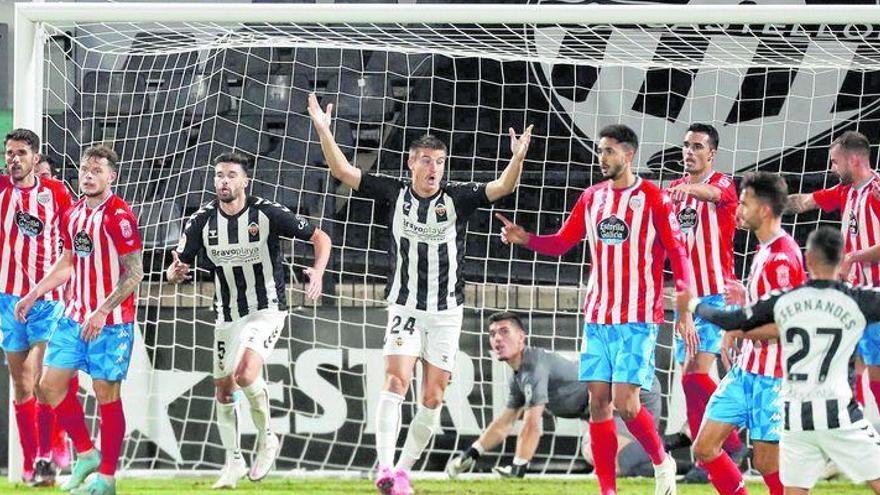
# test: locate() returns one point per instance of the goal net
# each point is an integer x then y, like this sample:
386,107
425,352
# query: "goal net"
169,96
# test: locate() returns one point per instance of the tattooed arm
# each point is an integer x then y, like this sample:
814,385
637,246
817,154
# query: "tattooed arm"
132,274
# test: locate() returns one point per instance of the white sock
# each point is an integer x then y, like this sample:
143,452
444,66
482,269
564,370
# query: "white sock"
258,396
227,423
420,432
387,427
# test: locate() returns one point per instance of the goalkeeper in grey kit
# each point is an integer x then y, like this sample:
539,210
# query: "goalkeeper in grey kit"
542,380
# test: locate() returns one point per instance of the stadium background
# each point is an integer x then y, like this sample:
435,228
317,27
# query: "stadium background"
431,99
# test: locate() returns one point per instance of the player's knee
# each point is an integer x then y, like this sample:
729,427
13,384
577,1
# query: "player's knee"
765,462
626,407
704,450
22,387
106,392
396,384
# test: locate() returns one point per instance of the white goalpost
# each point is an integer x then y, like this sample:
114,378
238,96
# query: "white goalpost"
170,85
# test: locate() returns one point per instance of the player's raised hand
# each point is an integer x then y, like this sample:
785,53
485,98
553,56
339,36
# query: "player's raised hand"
320,118
178,271
512,233
520,146
316,283
93,325
23,307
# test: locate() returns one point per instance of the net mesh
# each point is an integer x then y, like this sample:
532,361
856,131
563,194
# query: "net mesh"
171,97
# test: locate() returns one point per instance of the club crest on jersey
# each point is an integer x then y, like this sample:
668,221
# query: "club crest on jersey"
613,230
125,228
28,224
853,223
253,229
44,197
782,276
82,244
636,202
440,211
687,218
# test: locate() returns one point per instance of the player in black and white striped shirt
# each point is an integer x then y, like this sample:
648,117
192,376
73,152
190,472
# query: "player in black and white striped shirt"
819,325
427,220
240,236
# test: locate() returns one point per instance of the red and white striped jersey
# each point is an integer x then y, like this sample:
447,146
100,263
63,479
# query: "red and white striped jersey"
30,237
777,265
709,229
99,237
630,231
859,223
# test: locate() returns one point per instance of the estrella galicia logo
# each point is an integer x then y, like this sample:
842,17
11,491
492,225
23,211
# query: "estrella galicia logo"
853,223
687,218
82,244
28,224
613,230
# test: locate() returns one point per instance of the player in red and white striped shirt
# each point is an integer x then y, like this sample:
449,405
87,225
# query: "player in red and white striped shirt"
749,394
630,227
857,198
705,202
30,213
103,263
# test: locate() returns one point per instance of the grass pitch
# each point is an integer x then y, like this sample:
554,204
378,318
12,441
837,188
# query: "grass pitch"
529,486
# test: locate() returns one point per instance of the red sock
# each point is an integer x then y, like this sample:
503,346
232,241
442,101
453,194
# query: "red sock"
698,387
875,389
69,414
859,390
732,443
25,418
773,483
603,443
45,425
644,430
59,440
112,435
725,476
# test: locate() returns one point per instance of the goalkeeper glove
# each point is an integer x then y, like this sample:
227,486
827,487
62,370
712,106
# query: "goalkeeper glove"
461,463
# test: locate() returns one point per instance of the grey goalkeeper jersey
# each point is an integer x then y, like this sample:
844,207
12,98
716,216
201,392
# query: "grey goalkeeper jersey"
547,378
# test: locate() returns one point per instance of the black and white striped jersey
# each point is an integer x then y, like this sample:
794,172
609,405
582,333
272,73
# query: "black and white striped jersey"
427,239
245,251
820,324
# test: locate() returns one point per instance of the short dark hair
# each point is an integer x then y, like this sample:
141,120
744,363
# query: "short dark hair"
428,141
770,189
507,316
708,130
828,243
26,135
234,157
622,134
853,142
101,151
52,162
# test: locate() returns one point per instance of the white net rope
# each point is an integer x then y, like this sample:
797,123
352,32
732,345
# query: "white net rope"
171,97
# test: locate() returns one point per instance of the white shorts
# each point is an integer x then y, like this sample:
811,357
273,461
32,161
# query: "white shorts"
258,331
804,454
432,336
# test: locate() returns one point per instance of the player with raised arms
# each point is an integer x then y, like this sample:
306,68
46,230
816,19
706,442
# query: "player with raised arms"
427,221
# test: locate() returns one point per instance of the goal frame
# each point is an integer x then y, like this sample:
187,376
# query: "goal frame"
29,37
